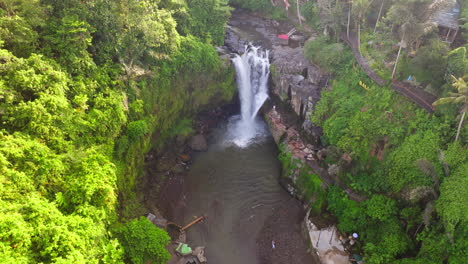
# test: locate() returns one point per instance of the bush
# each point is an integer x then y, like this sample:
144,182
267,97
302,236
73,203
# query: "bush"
207,20
144,242
430,64
183,128
457,63
310,12
332,57
253,5
137,129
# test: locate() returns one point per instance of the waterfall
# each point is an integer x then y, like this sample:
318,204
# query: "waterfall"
252,70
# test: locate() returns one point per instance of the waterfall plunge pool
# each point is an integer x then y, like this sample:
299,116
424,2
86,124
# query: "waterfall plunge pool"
235,183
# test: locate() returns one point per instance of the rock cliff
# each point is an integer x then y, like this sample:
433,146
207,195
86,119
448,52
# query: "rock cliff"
294,80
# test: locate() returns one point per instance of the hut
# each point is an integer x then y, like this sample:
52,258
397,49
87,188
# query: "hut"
447,20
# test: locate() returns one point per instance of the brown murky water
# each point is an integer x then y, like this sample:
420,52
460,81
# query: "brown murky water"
237,189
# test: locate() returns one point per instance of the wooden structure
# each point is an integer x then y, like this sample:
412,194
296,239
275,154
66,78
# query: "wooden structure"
447,20
192,223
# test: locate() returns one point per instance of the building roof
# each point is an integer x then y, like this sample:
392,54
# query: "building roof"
448,15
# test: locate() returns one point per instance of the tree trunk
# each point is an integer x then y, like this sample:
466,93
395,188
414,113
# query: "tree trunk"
349,20
378,17
298,13
359,35
460,125
396,61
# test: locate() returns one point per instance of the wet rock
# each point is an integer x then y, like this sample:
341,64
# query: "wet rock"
178,168
198,143
180,140
222,51
314,75
333,170
289,60
233,42
157,221
182,237
164,164
199,252
296,41
184,157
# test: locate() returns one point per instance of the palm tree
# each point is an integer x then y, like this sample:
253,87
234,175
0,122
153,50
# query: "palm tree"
379,15
413,17
461,96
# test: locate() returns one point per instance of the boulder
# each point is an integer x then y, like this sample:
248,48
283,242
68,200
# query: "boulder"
199,252
198,143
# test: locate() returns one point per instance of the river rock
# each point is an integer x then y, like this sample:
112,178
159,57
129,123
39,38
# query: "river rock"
198,143
178,168
184,157
199,252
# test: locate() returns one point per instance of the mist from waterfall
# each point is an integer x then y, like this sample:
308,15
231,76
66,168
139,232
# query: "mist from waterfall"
252,72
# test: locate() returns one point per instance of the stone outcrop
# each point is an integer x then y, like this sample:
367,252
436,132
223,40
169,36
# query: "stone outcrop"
294,79
198,143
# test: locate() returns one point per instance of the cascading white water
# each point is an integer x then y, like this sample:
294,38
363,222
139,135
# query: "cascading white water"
252,70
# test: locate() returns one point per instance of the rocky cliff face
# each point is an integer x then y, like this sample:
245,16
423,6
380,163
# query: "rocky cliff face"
294,80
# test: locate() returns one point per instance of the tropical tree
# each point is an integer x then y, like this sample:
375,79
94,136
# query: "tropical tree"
331,15
413,18
359,8
459,97
384,4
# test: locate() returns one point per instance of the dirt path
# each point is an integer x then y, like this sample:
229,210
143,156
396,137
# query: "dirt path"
415,94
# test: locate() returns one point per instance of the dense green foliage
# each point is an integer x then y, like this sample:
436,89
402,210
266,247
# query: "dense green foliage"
207,20
83,86
330,57
306,182
403,160
144,242
254,5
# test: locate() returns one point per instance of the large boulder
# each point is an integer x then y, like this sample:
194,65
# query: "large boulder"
198,143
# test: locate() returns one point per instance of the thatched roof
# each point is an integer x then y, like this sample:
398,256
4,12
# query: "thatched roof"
448,15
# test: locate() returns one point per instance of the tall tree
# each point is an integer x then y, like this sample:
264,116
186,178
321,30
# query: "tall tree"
359,8
413,20
459,97
378,16
331,15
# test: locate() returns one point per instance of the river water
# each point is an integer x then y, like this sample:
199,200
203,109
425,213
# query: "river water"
235,183
237,189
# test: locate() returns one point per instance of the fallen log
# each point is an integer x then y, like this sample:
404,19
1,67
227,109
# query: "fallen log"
192,223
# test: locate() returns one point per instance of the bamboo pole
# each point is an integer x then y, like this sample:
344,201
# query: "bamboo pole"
378,17
448,34
298,13
349,18
192,223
